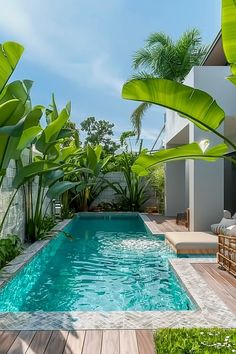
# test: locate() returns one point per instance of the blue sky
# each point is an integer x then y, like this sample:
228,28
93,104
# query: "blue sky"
82,49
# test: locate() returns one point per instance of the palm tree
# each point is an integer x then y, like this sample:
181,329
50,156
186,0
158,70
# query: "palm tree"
163,58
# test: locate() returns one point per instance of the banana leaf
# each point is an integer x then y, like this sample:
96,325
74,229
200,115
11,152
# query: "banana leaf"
10,54
15,138
50,134
66,153
195,105
60,187
34,169
190,151
51,177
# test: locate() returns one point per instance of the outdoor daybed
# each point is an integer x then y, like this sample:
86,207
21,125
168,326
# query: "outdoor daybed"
192,242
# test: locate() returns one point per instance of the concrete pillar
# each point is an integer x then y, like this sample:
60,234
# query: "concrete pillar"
206,187
175,188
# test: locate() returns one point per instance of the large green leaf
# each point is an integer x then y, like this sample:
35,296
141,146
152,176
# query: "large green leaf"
92,158
31,128
7,110
34,169
98,151
60,187
190,151
19,90
66,152
229,34
195,105
10,54
51,177
15,138
50,134
10,125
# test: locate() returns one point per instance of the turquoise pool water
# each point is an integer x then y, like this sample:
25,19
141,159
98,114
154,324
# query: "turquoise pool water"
112,263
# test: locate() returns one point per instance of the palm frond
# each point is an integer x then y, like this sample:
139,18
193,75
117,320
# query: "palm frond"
142,58
189,39
166,59
159,38
137,116
141,75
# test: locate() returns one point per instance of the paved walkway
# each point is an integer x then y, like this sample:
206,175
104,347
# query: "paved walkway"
77,342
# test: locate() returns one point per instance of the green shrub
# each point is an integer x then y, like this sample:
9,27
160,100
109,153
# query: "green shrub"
195,341
157,181
67,213
10,247
47,223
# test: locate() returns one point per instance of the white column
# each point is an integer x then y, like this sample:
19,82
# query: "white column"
175,188
206,187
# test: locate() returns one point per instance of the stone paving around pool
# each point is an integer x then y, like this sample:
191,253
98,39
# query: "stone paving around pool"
211,312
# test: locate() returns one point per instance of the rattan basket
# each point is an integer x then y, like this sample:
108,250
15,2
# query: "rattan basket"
226,255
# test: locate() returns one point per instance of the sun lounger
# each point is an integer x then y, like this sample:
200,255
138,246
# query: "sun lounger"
192,242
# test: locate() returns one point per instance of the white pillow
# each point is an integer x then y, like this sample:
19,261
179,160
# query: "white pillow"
231,230
234,216
227,222
218,229
227,214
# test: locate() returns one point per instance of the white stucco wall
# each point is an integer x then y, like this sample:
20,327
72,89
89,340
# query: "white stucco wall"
175,188
204,189
109,195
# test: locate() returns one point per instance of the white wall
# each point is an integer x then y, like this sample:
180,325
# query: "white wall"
109,195
204,181
207,179
174,124
175,188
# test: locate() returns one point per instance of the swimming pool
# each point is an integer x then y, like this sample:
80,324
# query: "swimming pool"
110,263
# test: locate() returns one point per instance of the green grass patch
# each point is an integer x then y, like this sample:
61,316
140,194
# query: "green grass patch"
195,341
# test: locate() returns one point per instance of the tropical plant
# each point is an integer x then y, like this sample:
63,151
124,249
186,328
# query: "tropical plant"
87,175
47,223
48,165
133,194
195,105
19,122
126,135
157,181
10,247
163,58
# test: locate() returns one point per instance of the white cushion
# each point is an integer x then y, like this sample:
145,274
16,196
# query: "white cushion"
231,230
227,222
218,229
221,228
234,216
227,214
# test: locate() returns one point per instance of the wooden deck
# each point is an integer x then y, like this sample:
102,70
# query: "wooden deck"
223,283
77,342
166,224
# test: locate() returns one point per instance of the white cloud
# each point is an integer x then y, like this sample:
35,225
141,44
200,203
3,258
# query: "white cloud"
102,73
70,49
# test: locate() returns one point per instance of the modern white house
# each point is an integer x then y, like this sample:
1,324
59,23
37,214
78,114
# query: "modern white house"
205,188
